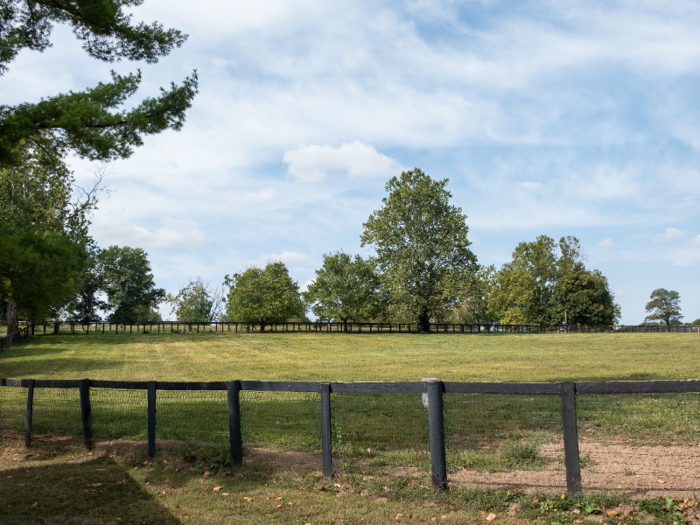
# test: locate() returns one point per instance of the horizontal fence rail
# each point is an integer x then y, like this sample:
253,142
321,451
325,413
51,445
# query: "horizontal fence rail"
9,340
89,396
339,328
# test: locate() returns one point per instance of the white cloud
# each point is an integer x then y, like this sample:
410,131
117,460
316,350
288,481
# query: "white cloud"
695,241
304,287
606,243
173,233
313,163
670,235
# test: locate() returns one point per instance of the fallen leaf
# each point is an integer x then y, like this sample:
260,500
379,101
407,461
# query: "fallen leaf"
660,481
278,506
247,498
96,485
491,517
145,462
31,455
35,504
163,492
217,489
443,517
398,516
206,473
612,512
225,493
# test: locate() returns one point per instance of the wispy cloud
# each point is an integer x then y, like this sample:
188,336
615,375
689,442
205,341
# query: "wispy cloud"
670,235
606,243
173,233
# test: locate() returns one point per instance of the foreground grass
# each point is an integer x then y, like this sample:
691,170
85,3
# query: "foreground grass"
57,482
338,357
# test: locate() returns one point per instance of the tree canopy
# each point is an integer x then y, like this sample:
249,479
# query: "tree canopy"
547,283
422,247
665,305
197,302
264,296
88,122
39,201
345,289
129,284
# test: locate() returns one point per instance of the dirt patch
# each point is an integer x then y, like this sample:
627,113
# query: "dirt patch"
638,472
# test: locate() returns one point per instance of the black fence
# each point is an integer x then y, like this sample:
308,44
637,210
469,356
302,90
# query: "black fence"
337,328
7,341
313,413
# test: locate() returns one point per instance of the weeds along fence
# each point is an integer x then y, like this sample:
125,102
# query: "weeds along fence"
435,425
338,328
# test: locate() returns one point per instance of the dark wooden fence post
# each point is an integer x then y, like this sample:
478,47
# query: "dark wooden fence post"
30,410
234,422
151,418
86,413
571,453
437,435
326,445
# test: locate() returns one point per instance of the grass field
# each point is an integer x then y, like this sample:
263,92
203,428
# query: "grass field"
371,433
337,357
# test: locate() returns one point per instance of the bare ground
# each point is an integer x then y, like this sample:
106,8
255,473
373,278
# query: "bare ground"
638,472
635,471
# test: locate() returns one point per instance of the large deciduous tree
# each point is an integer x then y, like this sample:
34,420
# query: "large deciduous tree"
422,247
547,283
585,298
345,289
39,200
264,296
665,305
128,282
197,302
89,123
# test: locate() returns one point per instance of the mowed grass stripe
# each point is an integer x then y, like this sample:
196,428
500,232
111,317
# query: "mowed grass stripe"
338,357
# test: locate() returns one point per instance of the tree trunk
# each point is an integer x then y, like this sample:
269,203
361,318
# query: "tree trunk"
345,325
424,321
12,325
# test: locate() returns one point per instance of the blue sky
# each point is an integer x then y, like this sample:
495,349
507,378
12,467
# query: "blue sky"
548,117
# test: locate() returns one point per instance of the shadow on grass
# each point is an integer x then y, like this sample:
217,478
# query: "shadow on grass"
96,491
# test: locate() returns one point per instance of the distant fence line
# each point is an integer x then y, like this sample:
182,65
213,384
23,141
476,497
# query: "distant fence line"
339,327
433,391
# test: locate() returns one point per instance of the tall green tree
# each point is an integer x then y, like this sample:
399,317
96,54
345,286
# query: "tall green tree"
422,247
39,200
87,303
197,302
547,283
473,304
89,123
129,284
267,295
39,271
345,289
665,305
585,298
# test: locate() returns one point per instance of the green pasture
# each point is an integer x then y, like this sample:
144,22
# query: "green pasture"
489,432
356,357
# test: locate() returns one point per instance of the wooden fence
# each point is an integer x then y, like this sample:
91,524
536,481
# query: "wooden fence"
338,328
434,388
9,340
